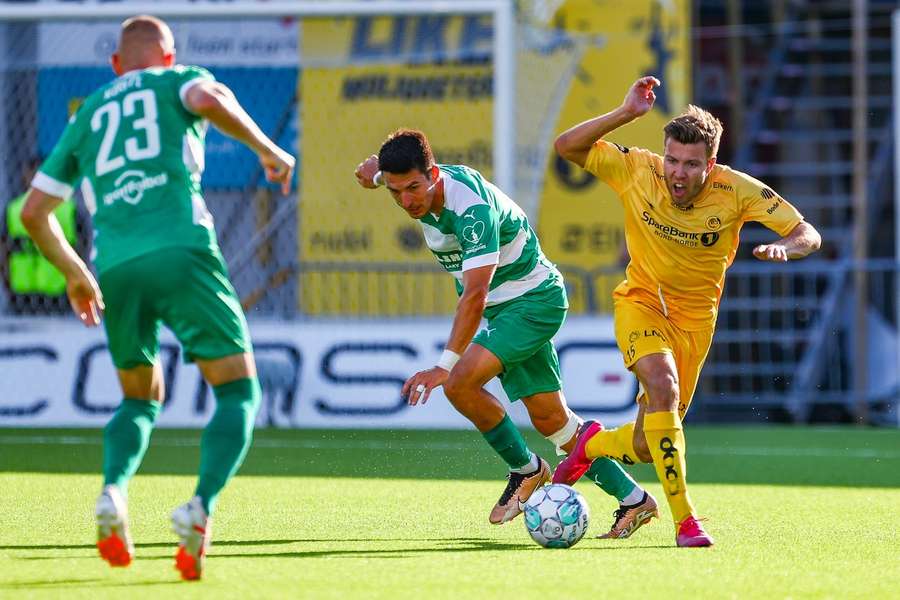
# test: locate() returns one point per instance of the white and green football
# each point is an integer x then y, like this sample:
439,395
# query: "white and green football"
556,516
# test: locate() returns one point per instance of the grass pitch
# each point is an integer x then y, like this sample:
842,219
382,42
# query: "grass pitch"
795,512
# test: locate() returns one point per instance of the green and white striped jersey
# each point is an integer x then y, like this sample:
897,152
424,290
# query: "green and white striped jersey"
479,226
138,153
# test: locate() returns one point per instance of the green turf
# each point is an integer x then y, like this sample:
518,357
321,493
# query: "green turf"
328,514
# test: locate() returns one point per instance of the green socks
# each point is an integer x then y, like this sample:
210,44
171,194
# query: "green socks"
125,440
611,478
507,441
227,437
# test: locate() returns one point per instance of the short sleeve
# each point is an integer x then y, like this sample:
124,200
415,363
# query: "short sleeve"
615,164
187,77
58,174
478,231
760,203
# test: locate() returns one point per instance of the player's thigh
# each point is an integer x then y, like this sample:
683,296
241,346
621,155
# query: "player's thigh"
519,336
689,362
143,382
537,375
658,376
640,331
131,322
204,312
223,370
475,368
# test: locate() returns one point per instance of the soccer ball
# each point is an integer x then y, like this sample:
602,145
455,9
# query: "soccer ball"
556,516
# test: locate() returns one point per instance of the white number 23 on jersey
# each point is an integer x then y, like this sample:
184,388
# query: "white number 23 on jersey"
113,112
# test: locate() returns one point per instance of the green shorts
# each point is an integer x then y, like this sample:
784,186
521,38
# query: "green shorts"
188,290
519,333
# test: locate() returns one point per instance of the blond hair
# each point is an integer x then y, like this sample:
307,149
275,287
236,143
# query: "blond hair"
696,125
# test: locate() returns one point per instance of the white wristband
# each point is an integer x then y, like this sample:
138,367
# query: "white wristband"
448,360
378,179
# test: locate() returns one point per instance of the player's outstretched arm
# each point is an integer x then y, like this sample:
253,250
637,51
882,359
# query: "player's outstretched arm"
44,229
216,103
469,310
802,241
574,144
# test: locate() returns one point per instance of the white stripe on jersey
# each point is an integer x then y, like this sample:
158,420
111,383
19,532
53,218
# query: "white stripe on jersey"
510,253
517,287
480,261
438,240
458,197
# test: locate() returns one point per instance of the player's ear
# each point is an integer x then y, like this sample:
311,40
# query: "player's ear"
116,63
710,163
168,59
435,173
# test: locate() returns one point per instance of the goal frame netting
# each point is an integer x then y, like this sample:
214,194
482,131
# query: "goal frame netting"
504,46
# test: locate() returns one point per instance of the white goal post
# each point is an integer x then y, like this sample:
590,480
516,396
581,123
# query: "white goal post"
504,46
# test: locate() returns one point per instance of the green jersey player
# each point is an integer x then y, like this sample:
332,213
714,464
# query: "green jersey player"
137,147
485,241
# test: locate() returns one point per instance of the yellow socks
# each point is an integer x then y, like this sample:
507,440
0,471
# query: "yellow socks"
617,444
667,445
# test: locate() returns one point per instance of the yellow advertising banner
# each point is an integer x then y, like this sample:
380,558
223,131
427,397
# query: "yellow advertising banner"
359,252
363,77
580,219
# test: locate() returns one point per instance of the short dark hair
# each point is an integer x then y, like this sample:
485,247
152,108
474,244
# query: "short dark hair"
696,125
405,150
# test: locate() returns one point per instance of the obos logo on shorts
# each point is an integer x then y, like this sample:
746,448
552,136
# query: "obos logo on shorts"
473,231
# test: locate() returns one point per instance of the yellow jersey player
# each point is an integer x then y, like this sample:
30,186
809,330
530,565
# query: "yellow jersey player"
683,216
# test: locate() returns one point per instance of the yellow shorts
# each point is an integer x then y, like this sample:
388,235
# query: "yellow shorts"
642,330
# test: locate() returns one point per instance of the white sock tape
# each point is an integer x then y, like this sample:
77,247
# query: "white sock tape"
378,179
561,437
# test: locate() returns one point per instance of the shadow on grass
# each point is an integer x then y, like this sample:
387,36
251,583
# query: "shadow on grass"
89,583
154,544
800,456
416,547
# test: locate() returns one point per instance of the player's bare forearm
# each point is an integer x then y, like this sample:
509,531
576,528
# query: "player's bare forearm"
802,241
469,311
47,234
216,103
574,144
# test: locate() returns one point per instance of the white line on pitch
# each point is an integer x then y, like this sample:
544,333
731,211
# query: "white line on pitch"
401,445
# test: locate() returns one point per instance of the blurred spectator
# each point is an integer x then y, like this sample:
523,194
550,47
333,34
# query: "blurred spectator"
34,285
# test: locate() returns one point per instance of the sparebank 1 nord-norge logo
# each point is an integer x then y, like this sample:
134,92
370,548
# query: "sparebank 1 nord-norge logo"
473,231
131,184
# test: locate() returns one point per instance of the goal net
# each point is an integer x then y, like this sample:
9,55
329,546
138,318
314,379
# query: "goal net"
328,81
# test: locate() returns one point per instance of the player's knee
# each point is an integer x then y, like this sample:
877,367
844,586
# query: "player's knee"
551,424
662,391
561,431
457,388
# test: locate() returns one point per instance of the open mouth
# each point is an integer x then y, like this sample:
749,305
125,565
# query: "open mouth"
679,189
